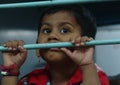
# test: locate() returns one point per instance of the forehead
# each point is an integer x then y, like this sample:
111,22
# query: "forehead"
59,17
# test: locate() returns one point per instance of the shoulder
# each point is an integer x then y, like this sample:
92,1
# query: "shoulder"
102,76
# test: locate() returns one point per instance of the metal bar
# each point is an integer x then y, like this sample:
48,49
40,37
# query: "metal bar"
65,44
46,3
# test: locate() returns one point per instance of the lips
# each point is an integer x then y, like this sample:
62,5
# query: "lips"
54,49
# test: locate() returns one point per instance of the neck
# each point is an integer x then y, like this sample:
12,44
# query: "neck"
61,72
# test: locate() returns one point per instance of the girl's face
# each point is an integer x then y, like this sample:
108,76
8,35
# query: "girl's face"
58,27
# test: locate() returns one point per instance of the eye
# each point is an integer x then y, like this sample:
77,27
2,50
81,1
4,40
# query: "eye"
46,30
64,30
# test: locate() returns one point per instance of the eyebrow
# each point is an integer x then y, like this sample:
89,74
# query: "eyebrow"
45,23
62,23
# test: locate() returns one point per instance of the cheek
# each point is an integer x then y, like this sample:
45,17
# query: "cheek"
65,38
70,37
42,39
76,35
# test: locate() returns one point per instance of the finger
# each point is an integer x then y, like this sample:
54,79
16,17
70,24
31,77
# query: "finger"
77,41
4,44
21,44
90,38
72,40
65,50
80,41
9,45
15,44
83,40
23,52
21,48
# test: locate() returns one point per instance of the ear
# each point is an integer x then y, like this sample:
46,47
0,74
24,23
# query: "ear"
38,52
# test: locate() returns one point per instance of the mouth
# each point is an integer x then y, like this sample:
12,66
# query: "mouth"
54,49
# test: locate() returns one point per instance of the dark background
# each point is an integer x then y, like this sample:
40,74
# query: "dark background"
106,11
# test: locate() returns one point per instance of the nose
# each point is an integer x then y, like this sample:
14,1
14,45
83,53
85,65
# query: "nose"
53,36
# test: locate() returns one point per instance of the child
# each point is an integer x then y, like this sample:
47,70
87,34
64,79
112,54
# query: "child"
65,66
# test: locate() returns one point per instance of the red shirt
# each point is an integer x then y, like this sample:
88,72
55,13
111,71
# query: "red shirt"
41,77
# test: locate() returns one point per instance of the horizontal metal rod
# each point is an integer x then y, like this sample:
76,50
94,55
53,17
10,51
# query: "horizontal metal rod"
45,3
65,44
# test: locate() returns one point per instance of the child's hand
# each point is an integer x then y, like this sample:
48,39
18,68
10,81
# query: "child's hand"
81,55
16,53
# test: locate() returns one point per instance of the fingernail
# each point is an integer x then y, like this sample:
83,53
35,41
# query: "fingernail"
14,49
9,48
82,43
19,47
4,45
72,41
77,44
90,38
